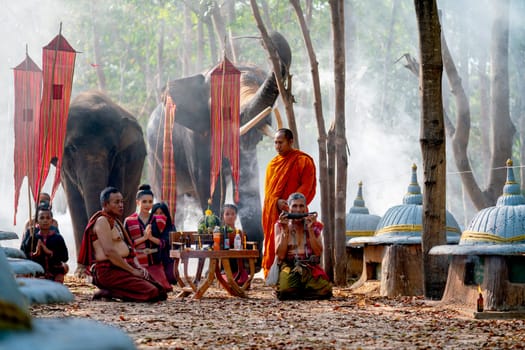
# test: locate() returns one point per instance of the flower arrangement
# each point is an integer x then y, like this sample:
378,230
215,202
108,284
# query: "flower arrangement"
208,221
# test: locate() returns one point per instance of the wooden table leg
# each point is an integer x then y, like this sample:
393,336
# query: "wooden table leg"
209,279
200,267
248,282
230,285
187,276
185,289
176,273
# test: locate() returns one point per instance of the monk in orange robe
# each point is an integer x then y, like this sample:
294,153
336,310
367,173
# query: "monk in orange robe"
289,171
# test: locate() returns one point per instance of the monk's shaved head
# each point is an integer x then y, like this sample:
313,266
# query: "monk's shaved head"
288,134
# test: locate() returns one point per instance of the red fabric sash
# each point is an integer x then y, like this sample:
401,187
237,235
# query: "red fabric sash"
225,122
86,254
58,65
28,87
169,175
136,230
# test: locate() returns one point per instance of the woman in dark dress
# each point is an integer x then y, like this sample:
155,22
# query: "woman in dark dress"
161,225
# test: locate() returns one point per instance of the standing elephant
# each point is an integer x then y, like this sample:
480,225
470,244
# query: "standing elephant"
104,146
191,138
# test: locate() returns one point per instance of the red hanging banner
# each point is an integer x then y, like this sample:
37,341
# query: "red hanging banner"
169,183
28,90
58,60
225,122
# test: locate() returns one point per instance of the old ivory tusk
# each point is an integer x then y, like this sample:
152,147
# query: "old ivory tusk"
246,127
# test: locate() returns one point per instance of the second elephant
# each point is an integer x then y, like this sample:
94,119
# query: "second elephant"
191,138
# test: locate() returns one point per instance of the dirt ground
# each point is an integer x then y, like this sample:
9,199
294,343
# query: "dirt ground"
347,321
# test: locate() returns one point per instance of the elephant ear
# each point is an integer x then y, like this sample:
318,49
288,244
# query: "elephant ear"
191,96
132,139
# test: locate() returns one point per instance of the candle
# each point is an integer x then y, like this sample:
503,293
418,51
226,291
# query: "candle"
244,241
200,243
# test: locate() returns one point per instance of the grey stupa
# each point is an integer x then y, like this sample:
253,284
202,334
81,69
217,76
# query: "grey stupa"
359,223
490,257
393,256
402,224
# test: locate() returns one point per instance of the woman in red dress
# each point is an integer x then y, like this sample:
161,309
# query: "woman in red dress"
147,245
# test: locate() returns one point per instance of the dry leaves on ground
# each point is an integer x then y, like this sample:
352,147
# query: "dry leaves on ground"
347,321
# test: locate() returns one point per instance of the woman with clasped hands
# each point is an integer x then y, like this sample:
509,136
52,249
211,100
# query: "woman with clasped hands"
298,247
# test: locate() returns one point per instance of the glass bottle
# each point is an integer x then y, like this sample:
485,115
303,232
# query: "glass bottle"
480,303
226,238
216,238
237,242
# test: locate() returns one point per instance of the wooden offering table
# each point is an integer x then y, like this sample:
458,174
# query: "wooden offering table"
216,258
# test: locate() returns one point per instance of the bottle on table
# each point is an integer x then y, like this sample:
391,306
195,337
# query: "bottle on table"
217,238
237,242
226,239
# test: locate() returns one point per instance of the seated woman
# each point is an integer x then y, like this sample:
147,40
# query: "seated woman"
146,244
46,246
161,225
229,217
298,247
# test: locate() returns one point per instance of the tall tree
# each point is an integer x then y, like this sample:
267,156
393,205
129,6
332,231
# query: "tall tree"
502,126
285,87
96,48
432,140
338,32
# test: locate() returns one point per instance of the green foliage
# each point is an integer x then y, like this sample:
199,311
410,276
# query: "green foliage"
385,95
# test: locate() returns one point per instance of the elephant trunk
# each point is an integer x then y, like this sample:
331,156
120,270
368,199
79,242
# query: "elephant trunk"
93,184
267,93
250,205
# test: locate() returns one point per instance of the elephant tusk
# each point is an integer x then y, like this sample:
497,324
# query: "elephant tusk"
249,125
267,130
278,118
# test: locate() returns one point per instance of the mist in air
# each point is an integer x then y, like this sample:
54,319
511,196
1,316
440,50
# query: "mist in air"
382,105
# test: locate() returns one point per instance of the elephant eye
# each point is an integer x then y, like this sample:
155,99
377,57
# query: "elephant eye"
70,148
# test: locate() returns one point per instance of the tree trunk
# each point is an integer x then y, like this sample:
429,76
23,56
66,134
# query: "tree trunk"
200,46
401,271
308,15
187,41
266,14
460,138
503,129
432,146
484,126
220,30
329,261
284,91
387,59
318,107
211,37
96,49
350,41
160,62
338,32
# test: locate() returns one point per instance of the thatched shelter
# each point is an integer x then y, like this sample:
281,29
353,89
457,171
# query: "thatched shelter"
490,257
359,223
393,254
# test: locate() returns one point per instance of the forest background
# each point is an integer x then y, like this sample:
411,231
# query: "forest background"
132,48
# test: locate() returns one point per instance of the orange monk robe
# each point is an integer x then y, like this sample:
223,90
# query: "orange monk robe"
294,172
